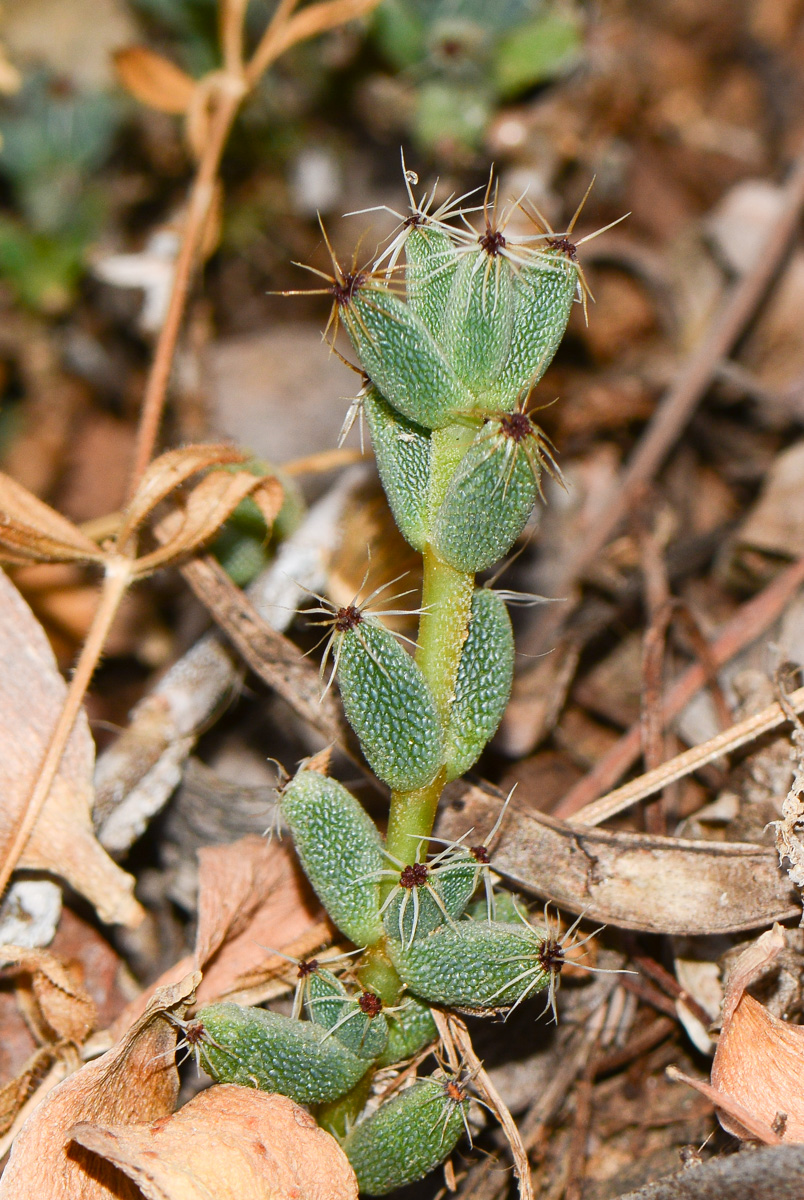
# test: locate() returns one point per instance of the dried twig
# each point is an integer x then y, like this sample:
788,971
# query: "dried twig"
456,1037
691,760
744,627
221,96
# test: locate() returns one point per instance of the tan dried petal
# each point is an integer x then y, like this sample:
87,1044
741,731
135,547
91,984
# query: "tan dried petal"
64,1008
133,1083
166,473
209,504
32,531
230,1143
154,80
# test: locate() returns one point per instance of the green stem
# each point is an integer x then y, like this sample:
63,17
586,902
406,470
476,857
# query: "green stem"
377,973
338,1116
443,625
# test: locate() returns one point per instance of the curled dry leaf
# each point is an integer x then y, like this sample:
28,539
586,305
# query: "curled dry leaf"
31,697
634,880
133,1083
154,80
759,1061
61,1009
14,1093
164,474
32,531
229,1142
209,504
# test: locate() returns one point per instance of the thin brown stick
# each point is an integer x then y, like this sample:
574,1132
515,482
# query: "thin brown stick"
691,760
651,720
283,33
580,1129
227,102
116,580
232,21
658,1030
456,1032
752,619
264,54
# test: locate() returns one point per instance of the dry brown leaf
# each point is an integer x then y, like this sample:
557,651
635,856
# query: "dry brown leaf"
31,531
61,1008
14,1093
230,1143
268,496
154,80
166,473
634,880
209,504
134,1082
252,895
93,962
759,1059
31,697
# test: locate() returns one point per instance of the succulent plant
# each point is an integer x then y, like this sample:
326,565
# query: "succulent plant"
449,365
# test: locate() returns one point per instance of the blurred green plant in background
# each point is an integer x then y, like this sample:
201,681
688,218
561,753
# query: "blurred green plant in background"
55,138
463,58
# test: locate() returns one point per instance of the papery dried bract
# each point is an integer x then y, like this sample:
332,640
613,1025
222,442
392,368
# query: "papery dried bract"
154,80
63,1009
135,1081
231,1143
32,531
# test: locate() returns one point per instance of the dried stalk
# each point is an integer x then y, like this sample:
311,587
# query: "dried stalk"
116,580
691,760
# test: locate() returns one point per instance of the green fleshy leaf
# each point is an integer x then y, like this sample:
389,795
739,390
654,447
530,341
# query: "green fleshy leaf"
414,912
536,52
389,705
409,1031
479,319
330,1005
260,1049
451,115
399,32
490,496
475,964
402,359
483,684
340,850
406,1137
402,451
543,296
430,265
